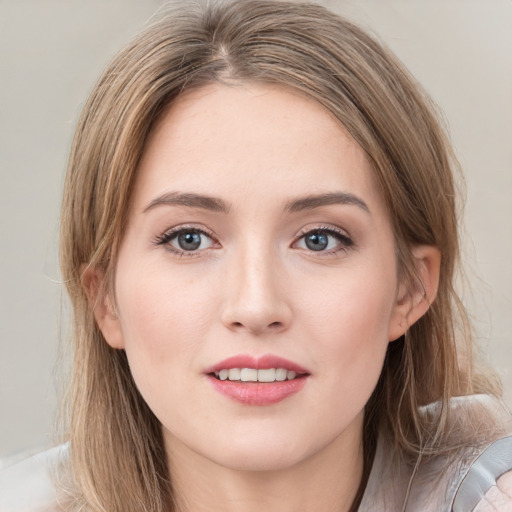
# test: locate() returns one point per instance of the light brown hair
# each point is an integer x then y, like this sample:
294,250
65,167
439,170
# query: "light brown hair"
117,454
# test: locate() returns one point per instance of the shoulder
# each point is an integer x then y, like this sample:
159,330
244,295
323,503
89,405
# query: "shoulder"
27,486
498,497
487,483
470,469
480,426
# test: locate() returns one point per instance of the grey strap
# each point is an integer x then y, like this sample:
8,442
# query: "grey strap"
493,462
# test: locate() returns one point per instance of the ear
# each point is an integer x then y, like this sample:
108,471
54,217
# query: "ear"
102,305
414,300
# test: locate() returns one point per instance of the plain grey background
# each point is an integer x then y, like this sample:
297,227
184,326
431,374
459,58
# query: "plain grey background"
52,52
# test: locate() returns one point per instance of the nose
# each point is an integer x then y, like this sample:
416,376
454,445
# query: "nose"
257,299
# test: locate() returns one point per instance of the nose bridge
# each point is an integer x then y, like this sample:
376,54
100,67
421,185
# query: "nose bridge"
256,296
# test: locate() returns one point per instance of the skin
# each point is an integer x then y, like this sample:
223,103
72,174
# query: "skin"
254,287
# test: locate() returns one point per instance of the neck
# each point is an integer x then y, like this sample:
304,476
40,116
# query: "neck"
328,480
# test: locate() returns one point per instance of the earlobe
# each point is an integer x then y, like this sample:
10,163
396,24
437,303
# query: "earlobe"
415,300
102,306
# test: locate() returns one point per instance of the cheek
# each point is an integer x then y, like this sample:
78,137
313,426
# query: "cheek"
349,321
354,307
158,306
163,319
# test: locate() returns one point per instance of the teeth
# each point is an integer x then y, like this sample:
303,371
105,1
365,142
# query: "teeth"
248,375
281,374
234,374
268,375
253,375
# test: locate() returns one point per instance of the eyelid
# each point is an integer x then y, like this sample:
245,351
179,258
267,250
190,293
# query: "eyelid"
344,238
169,234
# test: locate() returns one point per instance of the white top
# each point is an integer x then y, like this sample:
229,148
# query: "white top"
462,483
27,486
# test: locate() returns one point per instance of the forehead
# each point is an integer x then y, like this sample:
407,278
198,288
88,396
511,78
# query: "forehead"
251,137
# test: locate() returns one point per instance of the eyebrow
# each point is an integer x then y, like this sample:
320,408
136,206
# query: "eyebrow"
191,200
215,204
316,201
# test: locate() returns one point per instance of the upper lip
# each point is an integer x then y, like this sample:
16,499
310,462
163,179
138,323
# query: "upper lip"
259,363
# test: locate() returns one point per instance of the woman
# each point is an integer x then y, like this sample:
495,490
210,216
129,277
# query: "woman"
259,240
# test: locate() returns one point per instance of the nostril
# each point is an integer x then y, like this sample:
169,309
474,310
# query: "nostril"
272,326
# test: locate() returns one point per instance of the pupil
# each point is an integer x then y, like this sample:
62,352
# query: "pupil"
189,241
317,241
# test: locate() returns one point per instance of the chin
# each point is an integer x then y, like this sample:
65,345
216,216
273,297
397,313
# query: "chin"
259,460
262,454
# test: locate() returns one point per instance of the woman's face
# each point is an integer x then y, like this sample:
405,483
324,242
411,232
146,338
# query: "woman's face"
256,240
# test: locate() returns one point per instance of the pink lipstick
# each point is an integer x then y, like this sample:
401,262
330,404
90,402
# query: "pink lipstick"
263,380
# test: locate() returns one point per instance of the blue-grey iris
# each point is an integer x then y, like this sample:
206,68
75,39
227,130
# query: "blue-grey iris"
317,241
189,241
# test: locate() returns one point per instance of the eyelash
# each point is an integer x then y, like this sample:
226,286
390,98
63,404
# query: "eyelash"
167,237
345,242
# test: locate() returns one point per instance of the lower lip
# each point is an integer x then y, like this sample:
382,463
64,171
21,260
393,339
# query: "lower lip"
258,393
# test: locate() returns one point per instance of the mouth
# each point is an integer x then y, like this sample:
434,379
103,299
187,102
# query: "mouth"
267,375
257,381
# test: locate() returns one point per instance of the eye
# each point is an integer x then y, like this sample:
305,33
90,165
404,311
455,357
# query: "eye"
324,240
185,240
189,240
